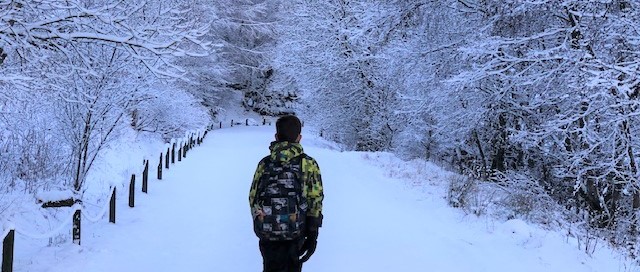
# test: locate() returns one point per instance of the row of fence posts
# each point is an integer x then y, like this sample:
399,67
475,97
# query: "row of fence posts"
246,123
168,158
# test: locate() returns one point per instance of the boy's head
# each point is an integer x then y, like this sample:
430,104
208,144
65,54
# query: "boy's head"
288,129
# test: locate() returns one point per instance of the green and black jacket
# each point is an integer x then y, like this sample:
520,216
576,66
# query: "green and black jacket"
311,179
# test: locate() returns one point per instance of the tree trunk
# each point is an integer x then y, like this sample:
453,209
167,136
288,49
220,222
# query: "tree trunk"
499,157
483,164
82,154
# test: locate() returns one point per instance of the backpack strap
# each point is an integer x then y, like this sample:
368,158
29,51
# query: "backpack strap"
298,161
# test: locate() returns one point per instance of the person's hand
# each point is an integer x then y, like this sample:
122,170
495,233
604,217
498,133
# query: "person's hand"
311,237
309,245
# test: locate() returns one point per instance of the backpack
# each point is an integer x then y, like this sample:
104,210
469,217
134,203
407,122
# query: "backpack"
279,195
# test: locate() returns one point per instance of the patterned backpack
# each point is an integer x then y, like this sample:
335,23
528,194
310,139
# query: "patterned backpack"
279,195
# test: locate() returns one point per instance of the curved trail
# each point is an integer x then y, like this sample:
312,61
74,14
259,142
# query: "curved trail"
197,219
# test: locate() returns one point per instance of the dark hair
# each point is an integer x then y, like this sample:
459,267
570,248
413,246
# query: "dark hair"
288,128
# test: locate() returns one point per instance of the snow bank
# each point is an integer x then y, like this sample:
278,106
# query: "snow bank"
519,241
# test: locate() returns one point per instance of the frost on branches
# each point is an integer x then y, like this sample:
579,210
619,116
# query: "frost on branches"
72,75
500,90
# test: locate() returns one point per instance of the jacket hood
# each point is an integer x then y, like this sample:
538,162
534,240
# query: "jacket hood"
285,151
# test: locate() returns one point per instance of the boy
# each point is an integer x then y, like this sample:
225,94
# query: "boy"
286,201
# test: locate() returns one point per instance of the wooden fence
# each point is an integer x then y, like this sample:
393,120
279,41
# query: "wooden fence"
168,157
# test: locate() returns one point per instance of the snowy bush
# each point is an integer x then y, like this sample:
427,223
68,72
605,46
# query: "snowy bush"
460,188
31,148
505,196
470,195
169,113
523,198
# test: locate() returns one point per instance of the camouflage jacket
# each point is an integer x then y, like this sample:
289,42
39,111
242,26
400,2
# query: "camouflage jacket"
312,181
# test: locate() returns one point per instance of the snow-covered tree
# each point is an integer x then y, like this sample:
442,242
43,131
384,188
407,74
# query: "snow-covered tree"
559,81
334,49
85,62
246,30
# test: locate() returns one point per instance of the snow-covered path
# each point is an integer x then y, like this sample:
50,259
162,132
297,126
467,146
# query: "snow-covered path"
197,219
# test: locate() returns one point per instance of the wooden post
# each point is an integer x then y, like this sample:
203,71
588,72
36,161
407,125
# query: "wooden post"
246,122
185,150
220,124
160,167
132,191
112,207
166,161
264,121
77,216
180,153
7,251
145,177
173,153
231,122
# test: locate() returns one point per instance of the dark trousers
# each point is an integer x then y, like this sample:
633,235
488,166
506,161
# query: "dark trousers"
281,256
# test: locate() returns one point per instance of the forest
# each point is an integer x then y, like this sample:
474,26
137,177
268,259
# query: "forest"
537,97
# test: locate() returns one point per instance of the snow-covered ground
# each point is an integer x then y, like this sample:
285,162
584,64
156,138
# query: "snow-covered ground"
197,219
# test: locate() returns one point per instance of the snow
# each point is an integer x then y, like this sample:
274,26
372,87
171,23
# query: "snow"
7,229
54,195
66,223
197,219
252,122
517,227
